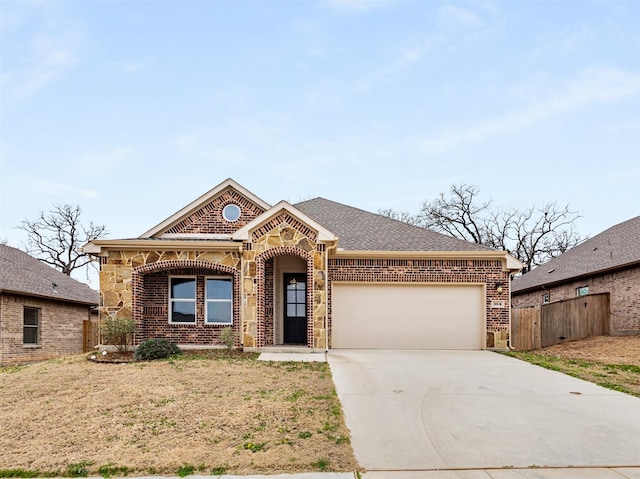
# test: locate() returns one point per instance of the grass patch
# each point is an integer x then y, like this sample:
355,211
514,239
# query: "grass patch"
624,378
26,473
225,413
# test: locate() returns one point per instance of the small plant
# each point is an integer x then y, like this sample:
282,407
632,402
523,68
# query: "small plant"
156,348
305,434
109,470
78,469
186,470
218,471
321,464
254,446
228,337
118,331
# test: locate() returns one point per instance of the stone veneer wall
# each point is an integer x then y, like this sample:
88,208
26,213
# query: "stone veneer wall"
489,272
282,239
61,332
623,287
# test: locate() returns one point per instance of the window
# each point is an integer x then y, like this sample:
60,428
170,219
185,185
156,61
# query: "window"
219,293
545,298
582,291
31,326
182,300
231,213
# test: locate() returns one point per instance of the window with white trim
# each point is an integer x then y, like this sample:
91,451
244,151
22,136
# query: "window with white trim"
219,300
182,299
31,326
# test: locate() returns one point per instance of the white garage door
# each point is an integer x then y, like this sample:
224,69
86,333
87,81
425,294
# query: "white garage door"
407,316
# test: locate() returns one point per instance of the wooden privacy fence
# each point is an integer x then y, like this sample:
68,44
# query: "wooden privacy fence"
90,331
554,323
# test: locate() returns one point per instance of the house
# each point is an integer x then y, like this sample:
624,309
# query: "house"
607,263
317,274
41,310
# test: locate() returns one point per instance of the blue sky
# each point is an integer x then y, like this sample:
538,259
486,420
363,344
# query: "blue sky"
134,109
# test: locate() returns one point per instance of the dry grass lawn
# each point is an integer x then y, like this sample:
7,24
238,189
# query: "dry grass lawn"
609,361
214,414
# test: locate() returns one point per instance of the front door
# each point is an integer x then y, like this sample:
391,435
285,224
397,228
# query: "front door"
295,308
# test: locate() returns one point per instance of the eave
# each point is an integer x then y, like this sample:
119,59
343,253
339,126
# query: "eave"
543,286
50,298
101,247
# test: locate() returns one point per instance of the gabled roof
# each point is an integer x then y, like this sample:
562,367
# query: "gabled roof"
615,248
323,233
201,201
25,275
361,230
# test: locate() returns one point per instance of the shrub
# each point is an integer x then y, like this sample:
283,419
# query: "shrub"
157,348
118,331
228,337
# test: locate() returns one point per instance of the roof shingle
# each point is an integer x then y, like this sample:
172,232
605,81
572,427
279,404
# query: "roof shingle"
616,247
360,230
24,274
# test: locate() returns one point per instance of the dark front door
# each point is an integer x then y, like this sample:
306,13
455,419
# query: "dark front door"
295,308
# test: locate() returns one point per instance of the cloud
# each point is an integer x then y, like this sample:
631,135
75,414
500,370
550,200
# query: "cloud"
454,24
129,67
39,46
359,5
594,86
51,58
54,188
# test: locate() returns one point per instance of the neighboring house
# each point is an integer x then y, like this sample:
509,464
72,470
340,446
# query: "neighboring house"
606,263
41,310
316,274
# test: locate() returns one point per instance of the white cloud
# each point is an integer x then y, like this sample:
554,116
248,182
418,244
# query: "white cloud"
455,16
54,188
359,5
38,48
129,67
594,86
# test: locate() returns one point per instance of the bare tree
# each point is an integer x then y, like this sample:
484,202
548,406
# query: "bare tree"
533,235
56,238
458,215
403,216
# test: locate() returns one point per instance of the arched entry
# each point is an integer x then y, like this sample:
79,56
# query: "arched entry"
285,297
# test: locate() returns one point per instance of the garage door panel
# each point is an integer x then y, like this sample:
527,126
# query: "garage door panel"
404,316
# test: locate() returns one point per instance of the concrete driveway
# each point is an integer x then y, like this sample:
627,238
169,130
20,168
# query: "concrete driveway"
428,410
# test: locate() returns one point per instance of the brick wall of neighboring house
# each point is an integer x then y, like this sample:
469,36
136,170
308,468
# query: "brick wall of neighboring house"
60,329
489,272
624,289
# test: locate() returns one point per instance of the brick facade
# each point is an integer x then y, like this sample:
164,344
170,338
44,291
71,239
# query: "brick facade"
209,220
60,324
489,272
623,287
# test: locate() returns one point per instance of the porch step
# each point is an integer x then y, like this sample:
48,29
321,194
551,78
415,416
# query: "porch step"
286,349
